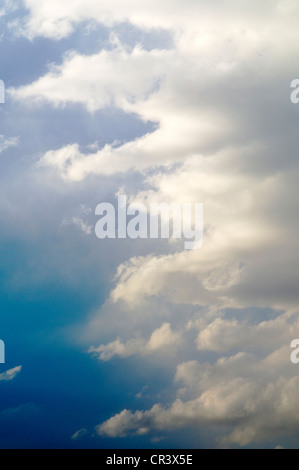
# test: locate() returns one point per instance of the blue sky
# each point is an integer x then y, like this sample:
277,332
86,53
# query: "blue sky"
140,343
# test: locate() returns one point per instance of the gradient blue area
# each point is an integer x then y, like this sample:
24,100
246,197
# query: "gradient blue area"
51,278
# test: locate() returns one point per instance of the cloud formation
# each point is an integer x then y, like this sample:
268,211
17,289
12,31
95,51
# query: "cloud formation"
238,393
225,135
10,374
6,143
162,338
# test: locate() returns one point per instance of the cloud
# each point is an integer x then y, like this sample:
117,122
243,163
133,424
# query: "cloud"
8,6
79,434
162,338
110,77
225,135
250,394
196,112
251,407
6,143
26,410
58,19
215,106
223,335
10,374
81,224
79,220
248,216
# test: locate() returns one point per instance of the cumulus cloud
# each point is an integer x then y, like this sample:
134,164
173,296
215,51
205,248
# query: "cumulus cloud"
234,334
250,394
233,393
10,374
197,112
110,77
161,338
248,218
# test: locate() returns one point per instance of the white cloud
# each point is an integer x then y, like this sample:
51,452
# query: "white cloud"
8,6
250,229
80,220
58,19
10,374
251,394
203,98
223,335
233,393
110,77
79,434
6,143
162,338
117,348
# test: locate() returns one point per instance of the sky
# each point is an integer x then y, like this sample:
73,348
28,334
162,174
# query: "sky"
121,343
